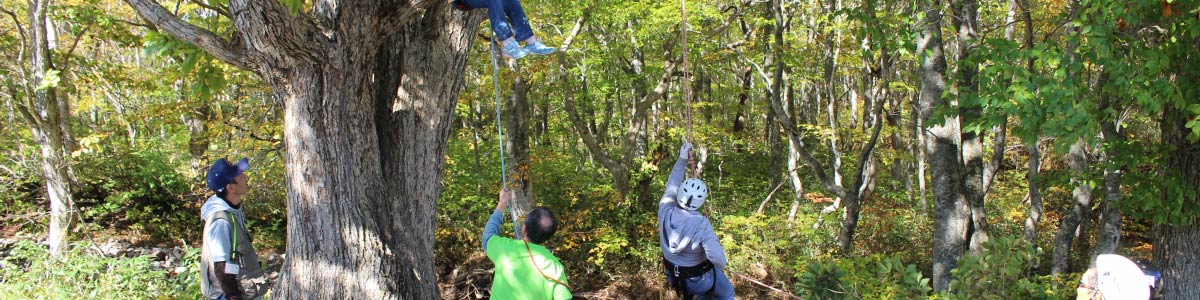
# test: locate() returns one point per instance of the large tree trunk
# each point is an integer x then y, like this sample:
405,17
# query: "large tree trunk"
952,214
368,91
1177,247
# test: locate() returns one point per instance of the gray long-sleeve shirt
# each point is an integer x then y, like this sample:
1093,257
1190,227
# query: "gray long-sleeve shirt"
689,239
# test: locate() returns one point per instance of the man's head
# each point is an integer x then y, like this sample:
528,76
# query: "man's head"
540,225
229,181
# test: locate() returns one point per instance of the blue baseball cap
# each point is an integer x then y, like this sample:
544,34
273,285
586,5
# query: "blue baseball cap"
222,173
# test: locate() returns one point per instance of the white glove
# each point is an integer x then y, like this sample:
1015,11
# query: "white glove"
685,150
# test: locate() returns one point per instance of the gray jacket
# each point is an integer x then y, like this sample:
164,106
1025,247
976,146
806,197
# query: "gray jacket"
689,239
217,242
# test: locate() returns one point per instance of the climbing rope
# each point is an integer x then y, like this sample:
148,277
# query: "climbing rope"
687,85
687,76
500,129
785,293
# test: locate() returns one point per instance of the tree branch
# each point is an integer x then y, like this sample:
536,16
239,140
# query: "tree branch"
575,31
287,39
589,140
210,42
219,10
66,66
255,135
796,136
17,21
26,113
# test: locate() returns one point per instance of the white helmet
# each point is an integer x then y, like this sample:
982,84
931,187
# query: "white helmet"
692,194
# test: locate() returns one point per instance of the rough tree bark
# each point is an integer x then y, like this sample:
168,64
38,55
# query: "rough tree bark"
952,213
368,89
1177,245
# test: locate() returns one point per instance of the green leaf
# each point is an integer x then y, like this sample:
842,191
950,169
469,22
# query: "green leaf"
50,81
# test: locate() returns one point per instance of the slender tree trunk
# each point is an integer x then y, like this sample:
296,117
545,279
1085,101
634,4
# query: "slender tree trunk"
952,213
918,131
1108,239
1034,181
793,160
1079,211
739,120
520,180
966,17
633,139
49,115
877,64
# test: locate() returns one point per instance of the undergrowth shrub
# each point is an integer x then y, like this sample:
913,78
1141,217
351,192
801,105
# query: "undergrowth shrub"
1002,271
870,277
28,272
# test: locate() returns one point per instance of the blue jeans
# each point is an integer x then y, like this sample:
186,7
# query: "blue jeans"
500,12
712,285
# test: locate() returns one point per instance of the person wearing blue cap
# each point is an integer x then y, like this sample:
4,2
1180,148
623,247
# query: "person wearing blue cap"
226,254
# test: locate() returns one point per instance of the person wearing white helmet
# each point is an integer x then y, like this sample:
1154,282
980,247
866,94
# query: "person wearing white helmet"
693,258
1114,277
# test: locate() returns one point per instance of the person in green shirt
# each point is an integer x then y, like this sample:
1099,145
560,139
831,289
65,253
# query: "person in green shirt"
525,270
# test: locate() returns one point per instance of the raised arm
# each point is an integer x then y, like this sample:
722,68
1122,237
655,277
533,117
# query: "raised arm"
497,218
676,177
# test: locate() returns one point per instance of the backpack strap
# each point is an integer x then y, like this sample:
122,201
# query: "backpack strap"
233,230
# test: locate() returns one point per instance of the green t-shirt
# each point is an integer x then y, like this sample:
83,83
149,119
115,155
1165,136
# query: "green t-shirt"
515,277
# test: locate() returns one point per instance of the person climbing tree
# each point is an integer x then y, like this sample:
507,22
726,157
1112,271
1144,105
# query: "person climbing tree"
693,258
509,25
524,268
227,255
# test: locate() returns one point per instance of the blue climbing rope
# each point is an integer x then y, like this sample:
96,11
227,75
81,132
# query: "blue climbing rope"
500,130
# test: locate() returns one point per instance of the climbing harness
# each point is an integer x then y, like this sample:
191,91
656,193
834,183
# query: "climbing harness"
676,274
500,128
535,266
